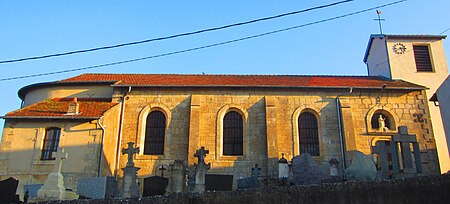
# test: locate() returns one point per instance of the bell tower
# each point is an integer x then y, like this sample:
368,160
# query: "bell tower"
418,59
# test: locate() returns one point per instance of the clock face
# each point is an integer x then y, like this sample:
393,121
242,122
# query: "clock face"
399,48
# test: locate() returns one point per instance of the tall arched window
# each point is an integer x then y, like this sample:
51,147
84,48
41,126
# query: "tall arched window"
51,142
155,132
233,134
309,134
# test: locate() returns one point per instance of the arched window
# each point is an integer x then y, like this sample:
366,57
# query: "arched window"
382,118
233,134
155,132
309,134
51,142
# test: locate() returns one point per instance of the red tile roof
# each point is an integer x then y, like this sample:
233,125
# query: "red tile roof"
57,108
180,80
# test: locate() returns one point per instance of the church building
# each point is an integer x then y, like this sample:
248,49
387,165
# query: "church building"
242,120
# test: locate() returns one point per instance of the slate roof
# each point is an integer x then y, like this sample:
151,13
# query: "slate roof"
56,108
190,80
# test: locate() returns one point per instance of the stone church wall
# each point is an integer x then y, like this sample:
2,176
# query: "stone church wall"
194,118
404,108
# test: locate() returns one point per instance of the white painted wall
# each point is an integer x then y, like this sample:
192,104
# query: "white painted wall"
443,94
377,59
34,96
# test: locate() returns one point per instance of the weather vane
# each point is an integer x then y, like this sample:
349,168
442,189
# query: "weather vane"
379,21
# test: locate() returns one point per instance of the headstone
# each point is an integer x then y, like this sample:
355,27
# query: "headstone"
155,185
386,151
97,187
306,171
201,168
32,189
162,168
256,171
215,182
334,170
362,168
177,179
283,168
53,188
130,188
8,188
250,182
405,139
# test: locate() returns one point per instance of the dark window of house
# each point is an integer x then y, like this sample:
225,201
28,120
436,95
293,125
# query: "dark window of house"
422,57
376,124
51,142
309,134
154,133
233,134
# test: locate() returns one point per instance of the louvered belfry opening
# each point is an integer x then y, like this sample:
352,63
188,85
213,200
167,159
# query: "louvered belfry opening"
309,134
51,142
422,57
233,134
155,133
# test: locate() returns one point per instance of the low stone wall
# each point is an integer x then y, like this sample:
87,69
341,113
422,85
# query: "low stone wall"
431,189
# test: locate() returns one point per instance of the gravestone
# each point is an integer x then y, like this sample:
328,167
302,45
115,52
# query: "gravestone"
386,150
306,171
155,185
130,188
8,188
362,168
334,169
32,189
201,168
177,178
97,187
256,171
216,182
405,139
283,167
53,188
251,182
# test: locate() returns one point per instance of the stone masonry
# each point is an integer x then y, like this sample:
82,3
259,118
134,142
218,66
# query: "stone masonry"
270,125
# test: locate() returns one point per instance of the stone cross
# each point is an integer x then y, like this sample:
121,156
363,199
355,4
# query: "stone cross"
59,156
404,138
256,171
201,169
162,168
201,154
383,150
130,151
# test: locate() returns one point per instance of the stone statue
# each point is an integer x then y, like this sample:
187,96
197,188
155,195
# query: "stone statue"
381,123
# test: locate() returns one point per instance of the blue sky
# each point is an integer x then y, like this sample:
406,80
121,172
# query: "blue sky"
32,28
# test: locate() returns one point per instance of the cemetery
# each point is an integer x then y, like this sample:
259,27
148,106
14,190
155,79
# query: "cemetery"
298,180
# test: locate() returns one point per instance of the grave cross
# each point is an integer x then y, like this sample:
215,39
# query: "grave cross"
201,154
130,151
162,168
59,156
404,138
256,171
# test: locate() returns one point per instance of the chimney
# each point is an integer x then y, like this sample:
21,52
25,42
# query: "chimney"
73,107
